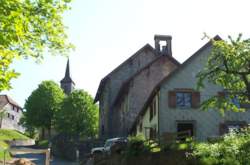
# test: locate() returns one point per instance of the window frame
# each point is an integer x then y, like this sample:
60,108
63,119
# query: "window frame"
184,95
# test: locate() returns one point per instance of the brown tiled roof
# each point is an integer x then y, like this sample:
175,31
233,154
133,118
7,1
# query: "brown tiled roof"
5,99
157,87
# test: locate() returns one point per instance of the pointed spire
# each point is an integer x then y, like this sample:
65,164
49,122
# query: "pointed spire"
67,77
67,84
67,73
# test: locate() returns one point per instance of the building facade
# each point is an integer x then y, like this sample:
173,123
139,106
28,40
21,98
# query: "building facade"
10,114
174,105
133,79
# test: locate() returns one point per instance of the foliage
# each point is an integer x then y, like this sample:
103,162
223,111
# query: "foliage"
228,66
43,143
78,115
28,28
138,145
42,104
6,134
233,149
178,145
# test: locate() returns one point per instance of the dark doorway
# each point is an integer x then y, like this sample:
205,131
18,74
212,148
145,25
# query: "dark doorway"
184,130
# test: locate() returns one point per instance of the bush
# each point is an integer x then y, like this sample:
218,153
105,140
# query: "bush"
234,149
137,145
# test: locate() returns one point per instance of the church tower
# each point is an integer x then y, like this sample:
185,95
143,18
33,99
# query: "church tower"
67,84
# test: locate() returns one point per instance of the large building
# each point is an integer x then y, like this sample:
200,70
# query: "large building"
174,105
124,91
10,114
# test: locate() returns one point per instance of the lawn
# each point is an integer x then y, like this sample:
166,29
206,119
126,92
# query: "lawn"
6,134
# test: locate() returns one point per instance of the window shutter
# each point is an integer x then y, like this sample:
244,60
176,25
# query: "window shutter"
195,99
222,94
172,99
222,128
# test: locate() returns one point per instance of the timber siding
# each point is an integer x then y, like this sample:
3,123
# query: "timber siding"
137,90
112,83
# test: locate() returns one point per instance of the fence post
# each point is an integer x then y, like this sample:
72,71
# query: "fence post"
77,156
47,160
4,154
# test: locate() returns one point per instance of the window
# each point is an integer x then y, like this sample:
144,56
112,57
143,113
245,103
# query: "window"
151,112
140,127
231,125
234,99
185,129
102,129
152,109
12,117
13,107
8,114
152,133
183,99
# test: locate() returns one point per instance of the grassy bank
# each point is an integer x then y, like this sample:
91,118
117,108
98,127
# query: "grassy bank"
6,134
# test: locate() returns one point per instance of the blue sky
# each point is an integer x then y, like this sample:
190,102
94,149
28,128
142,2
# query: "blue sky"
105,33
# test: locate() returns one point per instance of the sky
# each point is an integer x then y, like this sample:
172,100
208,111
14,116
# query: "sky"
105,33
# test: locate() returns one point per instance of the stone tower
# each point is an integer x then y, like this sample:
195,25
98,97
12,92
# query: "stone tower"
67,84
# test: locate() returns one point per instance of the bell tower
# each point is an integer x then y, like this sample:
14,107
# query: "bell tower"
67,84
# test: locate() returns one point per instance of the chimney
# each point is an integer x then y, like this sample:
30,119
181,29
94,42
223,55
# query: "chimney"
163,44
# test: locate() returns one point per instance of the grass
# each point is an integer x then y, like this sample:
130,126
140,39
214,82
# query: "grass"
6,134
43,143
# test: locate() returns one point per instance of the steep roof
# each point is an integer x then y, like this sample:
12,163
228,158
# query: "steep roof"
104,80
5,99
67,78
125,86
157,87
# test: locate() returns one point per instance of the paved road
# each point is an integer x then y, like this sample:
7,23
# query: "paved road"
39,159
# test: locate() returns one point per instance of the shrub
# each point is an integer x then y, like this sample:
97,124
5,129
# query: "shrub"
234,148
137,145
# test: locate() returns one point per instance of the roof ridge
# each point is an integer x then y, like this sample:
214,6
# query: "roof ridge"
103,80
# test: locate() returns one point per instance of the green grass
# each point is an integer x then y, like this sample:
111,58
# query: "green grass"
43,143
6,134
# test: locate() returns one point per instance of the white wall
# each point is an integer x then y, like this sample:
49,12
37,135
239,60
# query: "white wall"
206,122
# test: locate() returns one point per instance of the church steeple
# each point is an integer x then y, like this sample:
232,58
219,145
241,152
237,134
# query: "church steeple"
67,84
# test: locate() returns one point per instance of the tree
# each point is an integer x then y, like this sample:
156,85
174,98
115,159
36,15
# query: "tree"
27,29
78,116
42,104
229,67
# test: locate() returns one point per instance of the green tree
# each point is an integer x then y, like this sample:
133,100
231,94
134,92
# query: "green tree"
78,116
229,67
42,104
27,29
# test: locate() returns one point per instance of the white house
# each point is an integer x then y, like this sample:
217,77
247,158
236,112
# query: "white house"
11,113
174,105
